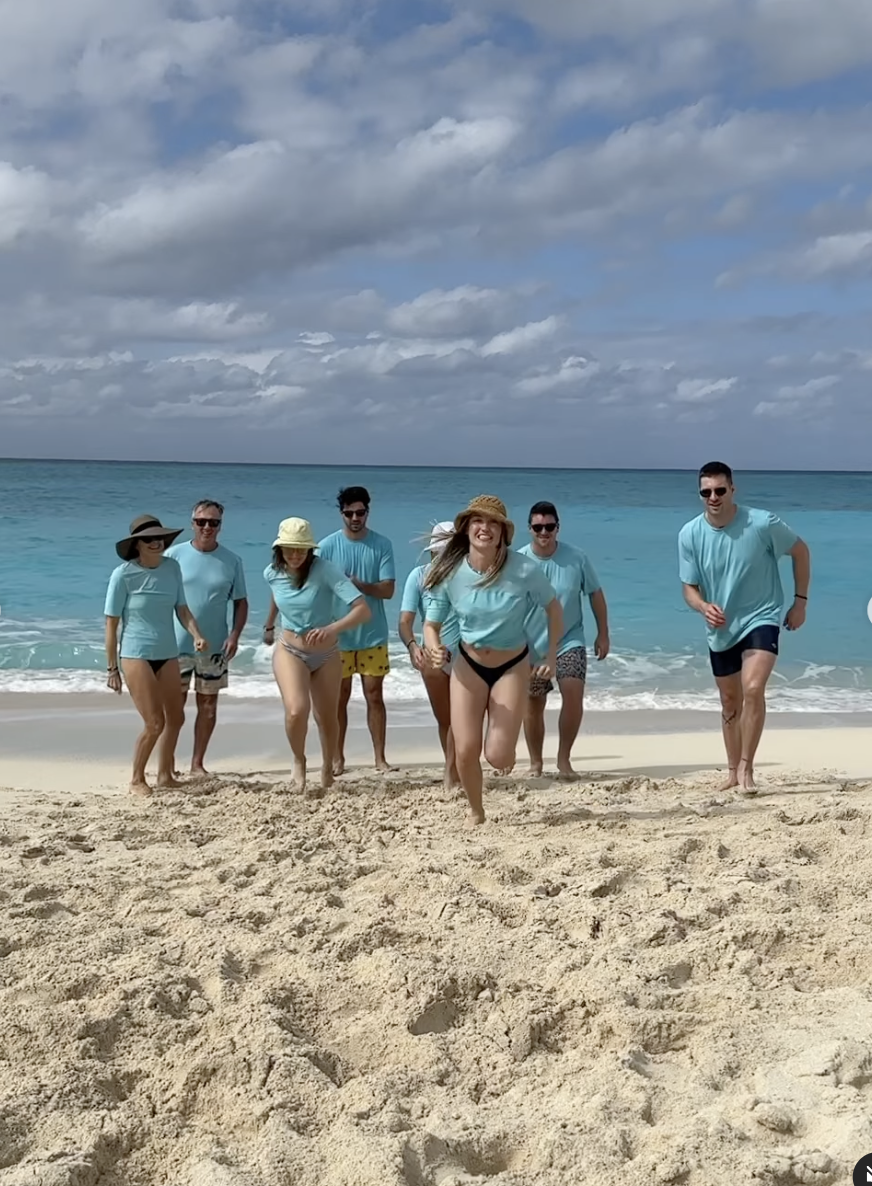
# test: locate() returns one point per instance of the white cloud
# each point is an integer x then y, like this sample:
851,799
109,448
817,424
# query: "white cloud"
692,390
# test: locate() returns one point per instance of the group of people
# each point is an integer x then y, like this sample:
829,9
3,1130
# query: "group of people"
499,627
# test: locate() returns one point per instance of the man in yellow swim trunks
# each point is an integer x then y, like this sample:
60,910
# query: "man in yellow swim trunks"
367,559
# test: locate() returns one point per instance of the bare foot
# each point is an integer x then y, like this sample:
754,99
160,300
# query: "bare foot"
732,780
327,777
474,818
140,788
167,782
384,767
504,771
746,782
299,778
451,781
338,766
535,770
565,773
199,772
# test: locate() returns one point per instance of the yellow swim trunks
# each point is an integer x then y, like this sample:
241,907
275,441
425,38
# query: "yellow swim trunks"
373,661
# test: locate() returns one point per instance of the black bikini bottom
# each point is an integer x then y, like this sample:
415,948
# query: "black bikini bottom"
156,664
490,675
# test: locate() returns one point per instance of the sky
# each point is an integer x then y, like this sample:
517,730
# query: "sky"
502,232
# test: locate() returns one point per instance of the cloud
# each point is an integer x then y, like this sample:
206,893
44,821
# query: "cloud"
692,390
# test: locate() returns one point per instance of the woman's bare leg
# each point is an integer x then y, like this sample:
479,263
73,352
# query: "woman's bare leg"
169,683
292,677
438,685
505,715
469,697
146,695
326,683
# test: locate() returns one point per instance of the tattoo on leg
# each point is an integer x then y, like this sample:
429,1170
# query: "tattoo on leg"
729,717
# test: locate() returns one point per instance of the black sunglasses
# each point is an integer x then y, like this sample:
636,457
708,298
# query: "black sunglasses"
540,527
720,491
207,522
355,514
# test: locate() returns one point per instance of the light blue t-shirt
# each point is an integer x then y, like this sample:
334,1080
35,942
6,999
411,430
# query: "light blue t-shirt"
213,580
370,560
493,615
145,600
573,578
413,603
323,599
736,567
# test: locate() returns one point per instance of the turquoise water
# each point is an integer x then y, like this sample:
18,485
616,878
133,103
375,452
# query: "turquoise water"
59,521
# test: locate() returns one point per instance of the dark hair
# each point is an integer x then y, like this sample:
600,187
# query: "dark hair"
349,494
297,576
542,508
206,503
714,469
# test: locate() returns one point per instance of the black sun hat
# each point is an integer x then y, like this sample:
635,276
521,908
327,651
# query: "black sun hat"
145,527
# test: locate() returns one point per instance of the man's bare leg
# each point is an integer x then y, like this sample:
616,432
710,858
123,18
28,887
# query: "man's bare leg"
204,727
344,697
730,689
757,666
534,732
376,717
569,724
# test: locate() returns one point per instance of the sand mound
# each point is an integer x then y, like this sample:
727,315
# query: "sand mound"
611,983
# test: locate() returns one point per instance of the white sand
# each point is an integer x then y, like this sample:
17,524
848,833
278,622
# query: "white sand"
623,981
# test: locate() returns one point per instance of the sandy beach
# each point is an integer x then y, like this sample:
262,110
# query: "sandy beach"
632,979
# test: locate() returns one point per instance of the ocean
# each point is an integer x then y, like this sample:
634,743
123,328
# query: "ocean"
59,521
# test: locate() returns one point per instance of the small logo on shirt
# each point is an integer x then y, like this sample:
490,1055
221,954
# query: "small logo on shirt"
862,1175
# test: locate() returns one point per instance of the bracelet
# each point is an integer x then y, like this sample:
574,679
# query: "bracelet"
410,644
269,629
111,670
800,596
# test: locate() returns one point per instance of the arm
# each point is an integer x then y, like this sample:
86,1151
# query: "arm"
240,617
190,624
381,590
554,614
713,614
269,626
434,650
601,614
114,675
801,558
358,613
406,631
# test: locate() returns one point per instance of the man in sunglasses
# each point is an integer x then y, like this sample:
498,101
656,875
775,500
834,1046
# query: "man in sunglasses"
367,559
573,578
214,580
728,567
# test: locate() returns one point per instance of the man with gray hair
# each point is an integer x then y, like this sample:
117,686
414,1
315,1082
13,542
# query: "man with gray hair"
213,578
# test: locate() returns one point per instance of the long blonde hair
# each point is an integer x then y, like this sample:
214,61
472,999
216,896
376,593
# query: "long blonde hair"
449,559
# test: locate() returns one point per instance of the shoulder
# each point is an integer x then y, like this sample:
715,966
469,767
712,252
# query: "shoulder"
120,571
523,565
271,573
325,570
570,554
527,550
379,541
170,565
756,516
227,556
691,529
330,540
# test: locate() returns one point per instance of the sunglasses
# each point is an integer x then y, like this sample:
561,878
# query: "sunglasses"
540,527
720,491
354,514
207,522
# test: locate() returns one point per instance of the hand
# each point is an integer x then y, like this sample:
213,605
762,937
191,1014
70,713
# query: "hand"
714,615
601,646
417,656
795,616
113,681
230,648
269,635
436,656
200,643
321,636
546,670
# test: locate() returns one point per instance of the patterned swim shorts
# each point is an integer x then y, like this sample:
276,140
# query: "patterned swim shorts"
208,672
570,665
373,661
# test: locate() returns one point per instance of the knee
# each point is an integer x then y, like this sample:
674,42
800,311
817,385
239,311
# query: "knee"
500,755
731,702
295,713
373,694
154,724
754,690
467,750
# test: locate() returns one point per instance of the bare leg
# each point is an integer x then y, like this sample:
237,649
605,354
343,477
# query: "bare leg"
292,677
569,724
342,719
730,689
145,694
757,666
376,717
505,715
534,732
325,684
469,697
169,684
204,727
438,686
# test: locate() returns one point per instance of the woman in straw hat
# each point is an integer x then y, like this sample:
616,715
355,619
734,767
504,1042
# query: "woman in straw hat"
305,590
144,597
436,680
492,590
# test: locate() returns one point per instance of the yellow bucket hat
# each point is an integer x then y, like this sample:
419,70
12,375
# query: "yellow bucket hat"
489,507
295,533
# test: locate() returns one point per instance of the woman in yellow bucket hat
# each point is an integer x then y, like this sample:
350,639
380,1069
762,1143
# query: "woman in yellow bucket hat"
492,590
305,589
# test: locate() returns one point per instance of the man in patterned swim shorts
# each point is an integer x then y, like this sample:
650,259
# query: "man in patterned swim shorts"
367,559
574,578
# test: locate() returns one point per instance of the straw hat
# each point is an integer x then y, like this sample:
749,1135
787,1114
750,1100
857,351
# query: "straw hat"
440,535
488,507
145,527
295,533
